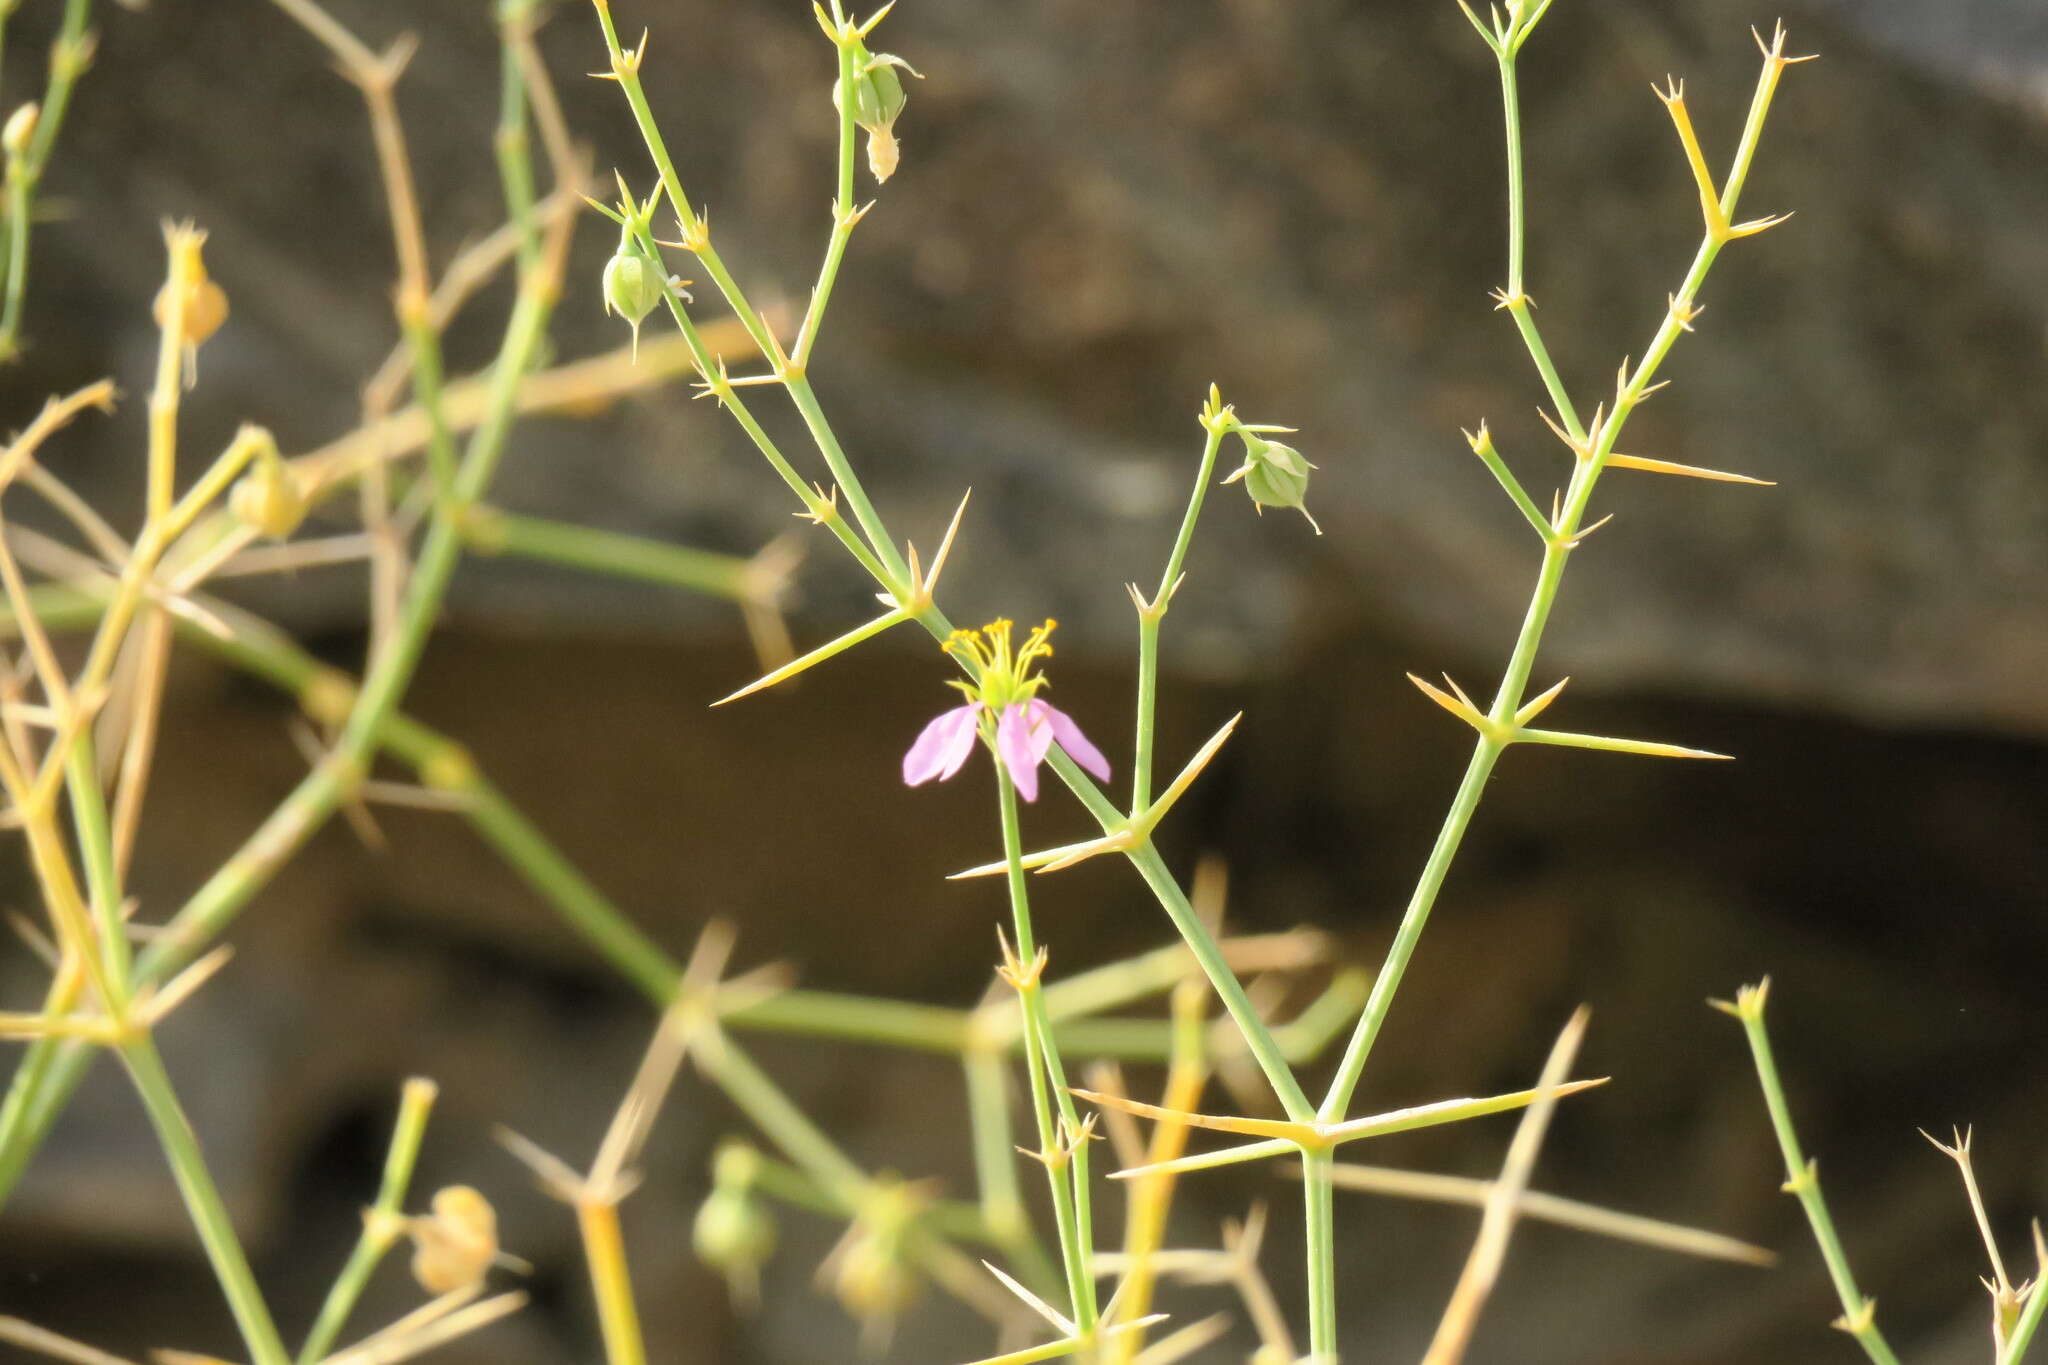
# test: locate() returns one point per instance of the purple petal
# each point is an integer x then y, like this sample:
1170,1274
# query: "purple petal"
1075,743
1020,748
942,746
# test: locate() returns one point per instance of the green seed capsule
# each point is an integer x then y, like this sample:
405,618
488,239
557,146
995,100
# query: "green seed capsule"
633,288
1279,478
1275,475
878,101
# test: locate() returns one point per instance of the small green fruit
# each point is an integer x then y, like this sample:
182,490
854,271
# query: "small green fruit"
1274,474
633,288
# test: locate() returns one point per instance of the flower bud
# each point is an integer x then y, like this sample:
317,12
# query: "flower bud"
877,101
1275,475
271,497
206,308
734,1235
633,287
21,127
871,1281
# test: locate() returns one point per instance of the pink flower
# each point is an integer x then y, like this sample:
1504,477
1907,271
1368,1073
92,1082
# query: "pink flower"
1005,683
1027,729
1024,733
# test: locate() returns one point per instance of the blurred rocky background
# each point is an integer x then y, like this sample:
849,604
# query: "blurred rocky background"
1103,207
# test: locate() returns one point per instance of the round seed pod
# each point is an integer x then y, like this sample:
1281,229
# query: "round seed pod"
454,1244
633,287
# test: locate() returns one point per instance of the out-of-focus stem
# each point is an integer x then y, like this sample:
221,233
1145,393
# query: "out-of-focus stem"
203,1201
1062,1145
382,1223
1802,1179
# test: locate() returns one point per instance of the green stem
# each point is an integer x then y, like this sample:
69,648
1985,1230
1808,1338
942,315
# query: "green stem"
527,852
593,550
1557,551
1066,1170
1258,1038
20,187
1150,616
794,380
787,1126
843,219
382,1224
2024,1328
96,853
890,570
1319,1204
856,496
203,1201
1803,1179
424,343
707,366
510,144
995,1161
69,55
1413,921
1517,302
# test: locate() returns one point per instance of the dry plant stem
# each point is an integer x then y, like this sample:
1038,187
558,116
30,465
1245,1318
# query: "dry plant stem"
1062,1141
103,954
1504,1205
611,1281
1151,1200
1802,1179
1550,1208
70,54
376,77
154,643
383,1223
32,1338
280,835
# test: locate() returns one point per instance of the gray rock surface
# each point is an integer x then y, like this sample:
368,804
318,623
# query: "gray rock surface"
1101,211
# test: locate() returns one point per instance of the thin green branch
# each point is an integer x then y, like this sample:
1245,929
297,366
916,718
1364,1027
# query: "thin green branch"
70,55
382,1221
1062,1141
595,550
203,1201
1150,613
1319,1203
1802,1179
